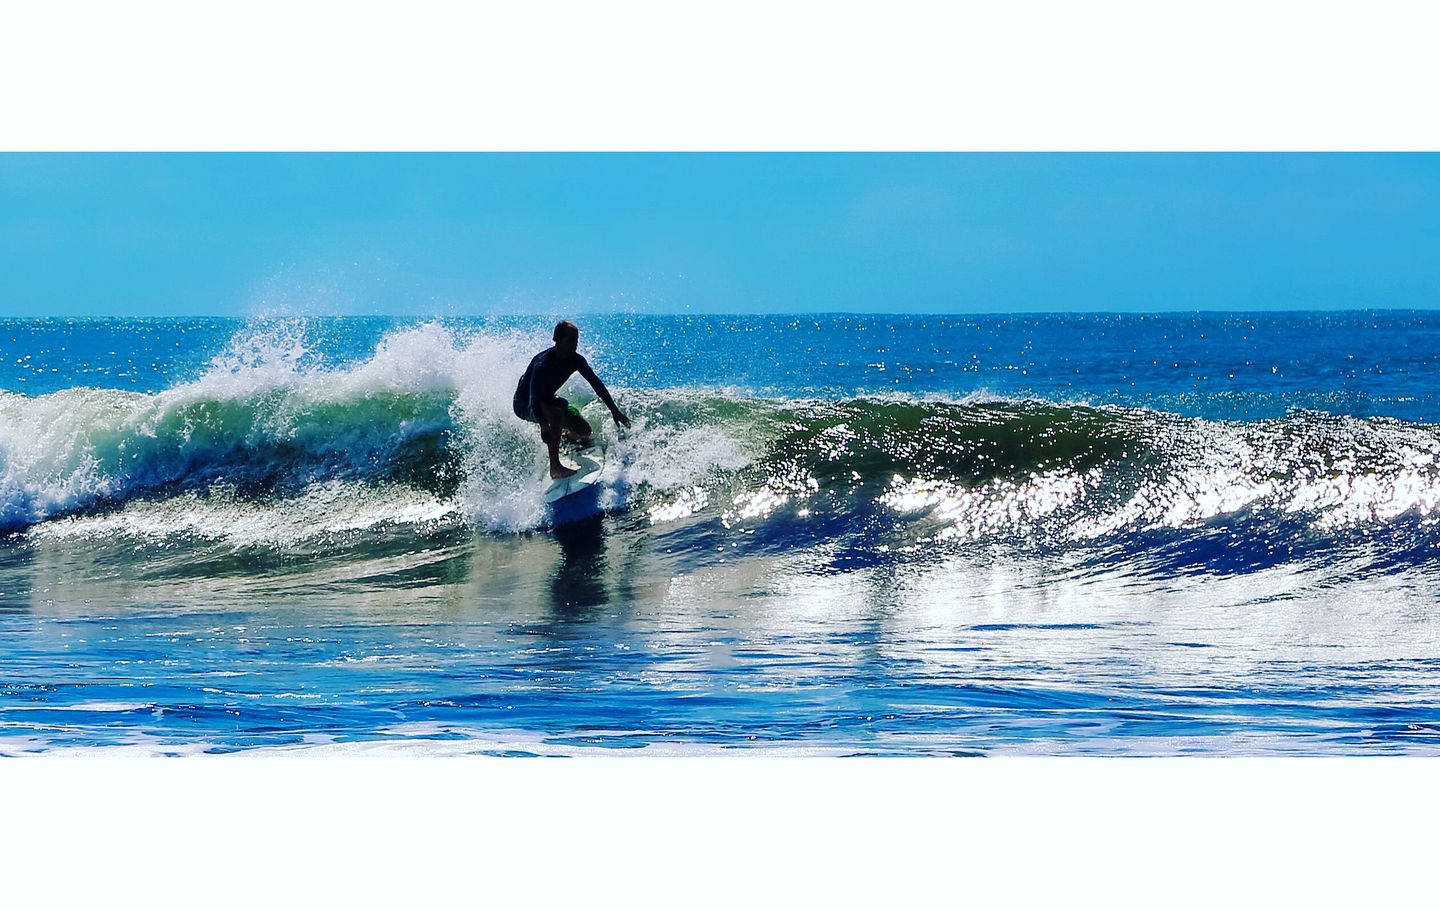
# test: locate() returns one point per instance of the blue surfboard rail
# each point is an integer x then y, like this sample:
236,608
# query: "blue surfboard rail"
577,497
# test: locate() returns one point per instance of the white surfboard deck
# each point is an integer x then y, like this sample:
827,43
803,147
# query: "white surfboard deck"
591,462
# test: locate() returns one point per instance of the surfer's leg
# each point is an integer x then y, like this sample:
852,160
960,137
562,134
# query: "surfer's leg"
577,428
550,428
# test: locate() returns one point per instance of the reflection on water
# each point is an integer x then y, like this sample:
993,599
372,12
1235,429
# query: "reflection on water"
600,634
578,582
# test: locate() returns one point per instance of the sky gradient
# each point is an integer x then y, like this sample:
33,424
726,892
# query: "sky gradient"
481,234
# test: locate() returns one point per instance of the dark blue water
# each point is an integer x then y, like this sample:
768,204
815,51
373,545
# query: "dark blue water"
1206,533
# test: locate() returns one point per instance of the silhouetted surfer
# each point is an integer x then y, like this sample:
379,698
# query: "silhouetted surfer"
535,398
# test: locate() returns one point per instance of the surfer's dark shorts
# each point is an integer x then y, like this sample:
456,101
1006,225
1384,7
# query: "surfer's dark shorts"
522,409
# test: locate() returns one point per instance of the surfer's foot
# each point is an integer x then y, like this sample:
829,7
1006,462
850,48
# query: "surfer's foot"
561,472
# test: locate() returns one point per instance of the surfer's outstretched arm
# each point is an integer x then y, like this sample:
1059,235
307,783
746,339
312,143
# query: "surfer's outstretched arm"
603,392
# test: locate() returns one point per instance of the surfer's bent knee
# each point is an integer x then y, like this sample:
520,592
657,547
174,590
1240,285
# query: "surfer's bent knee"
579,426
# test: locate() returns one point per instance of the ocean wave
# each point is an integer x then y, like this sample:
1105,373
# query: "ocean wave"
926,472
428,410
271,444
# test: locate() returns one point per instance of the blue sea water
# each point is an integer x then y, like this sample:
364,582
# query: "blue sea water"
842,534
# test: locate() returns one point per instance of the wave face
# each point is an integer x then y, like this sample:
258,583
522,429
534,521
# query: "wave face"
272,445
1027,468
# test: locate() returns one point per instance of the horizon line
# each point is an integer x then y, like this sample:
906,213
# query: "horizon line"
731,313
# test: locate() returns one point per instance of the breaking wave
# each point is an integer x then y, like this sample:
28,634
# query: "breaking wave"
271,445
426,414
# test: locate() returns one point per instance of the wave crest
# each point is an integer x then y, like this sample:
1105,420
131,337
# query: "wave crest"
422,427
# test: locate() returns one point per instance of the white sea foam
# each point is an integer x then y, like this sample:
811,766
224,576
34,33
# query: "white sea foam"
322,510
428,740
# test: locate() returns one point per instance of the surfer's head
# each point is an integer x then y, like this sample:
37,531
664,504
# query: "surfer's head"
567,336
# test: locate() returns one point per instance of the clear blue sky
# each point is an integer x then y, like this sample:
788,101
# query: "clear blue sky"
486,233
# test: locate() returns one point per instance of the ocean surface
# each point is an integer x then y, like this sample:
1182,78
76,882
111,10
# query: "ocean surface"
849,535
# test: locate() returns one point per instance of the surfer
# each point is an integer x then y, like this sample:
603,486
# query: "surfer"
535,398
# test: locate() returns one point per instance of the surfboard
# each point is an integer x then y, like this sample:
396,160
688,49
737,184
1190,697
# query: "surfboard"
590,461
